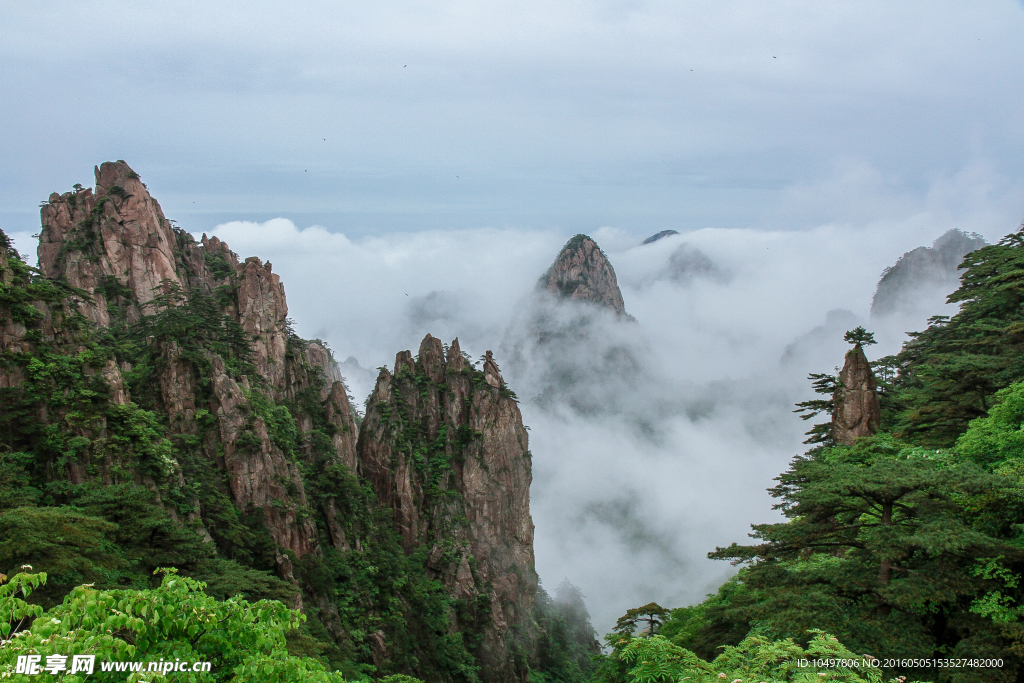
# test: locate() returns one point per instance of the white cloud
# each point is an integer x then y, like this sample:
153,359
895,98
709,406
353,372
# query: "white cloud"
625,507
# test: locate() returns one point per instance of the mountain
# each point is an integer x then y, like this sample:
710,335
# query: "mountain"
444,447
156,409
922,277
660,235
687,264
572,342
582,272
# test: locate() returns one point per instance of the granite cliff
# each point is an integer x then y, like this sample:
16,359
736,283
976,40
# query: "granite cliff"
154,398
444,447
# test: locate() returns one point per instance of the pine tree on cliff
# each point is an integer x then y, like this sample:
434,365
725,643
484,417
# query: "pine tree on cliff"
949,373
853,391
876,549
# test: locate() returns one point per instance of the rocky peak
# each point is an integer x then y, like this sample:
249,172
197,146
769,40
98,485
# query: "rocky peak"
582,272
444,447
109,242
454,360
115,243
857,410
432,358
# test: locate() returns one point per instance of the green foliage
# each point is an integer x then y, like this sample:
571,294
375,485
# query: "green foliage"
651,614
195,327
567,644
998,437
379,588
218,264
949,373
62,413
16,485
71,547
280,423
822,384
858,336
722,619
878,547
243,641
658,660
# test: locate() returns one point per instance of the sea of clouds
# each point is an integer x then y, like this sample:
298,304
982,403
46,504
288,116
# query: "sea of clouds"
670,456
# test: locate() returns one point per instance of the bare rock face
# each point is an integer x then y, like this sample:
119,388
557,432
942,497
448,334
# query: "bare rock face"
857,410
443,445
110,241
262,312
581,272
115,243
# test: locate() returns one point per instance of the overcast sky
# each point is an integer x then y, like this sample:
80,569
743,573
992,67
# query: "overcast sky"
380,116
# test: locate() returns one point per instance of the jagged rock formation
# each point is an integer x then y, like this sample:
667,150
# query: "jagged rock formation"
160,376
924,276
856,411
444,447
660,235
581,272
115,245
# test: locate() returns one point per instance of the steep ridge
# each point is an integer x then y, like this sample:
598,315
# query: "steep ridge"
443,445
154,399
115,245
924,276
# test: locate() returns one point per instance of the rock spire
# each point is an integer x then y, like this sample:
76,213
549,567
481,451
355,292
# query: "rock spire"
443,445
857,410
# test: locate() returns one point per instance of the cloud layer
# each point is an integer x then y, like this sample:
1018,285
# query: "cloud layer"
670,454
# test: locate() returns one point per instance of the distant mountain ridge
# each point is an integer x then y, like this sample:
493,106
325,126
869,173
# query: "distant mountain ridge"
922,270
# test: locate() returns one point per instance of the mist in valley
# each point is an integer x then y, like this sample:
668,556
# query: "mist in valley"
654,440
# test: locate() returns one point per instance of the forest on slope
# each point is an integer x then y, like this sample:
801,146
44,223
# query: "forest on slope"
904,519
